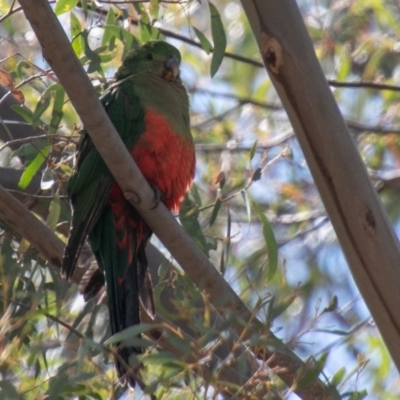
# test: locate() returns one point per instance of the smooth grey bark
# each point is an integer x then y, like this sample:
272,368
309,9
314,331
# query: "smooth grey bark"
354,208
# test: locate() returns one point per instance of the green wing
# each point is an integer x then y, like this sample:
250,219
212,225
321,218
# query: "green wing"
91,181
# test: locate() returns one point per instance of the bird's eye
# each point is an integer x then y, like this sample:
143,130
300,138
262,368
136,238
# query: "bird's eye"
149,56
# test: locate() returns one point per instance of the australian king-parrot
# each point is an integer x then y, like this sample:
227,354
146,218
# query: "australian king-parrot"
149,107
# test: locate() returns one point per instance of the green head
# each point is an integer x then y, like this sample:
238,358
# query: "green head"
155,57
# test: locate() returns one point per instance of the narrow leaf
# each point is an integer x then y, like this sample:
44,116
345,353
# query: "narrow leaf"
108,35
21,66
205,43
219,39
248,204
277,309
41,107
76,29
332,306
222,262
338,377
154,9
129,333
272,247
92,56
161,307
54,212
189,217
253,150
312,373
33,167
215,212
26,114
228,233
256,175
194,192
63,6
57,113
358,395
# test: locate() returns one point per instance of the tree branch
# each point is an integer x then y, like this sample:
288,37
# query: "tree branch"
361,224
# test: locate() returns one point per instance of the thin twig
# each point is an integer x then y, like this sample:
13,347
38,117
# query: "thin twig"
35,196
9,12
24,82
69,139
364,84
247,186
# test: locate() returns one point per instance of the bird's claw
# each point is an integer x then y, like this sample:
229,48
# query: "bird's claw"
157,197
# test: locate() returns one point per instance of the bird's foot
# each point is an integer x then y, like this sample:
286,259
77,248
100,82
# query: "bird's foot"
158,197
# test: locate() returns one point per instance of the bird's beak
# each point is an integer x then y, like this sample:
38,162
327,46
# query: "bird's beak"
171,69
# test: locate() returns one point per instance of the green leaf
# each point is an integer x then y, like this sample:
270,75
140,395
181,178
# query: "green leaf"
194,192
124,36
33,167
147,30
57,113
189,217
227,245
247,203
54,212
41,106
219,39
108,35
63,6
215,212
154,9
44,103
180,343
129,333
8,391
92,56
28,150
256,175
338,377
164,269
20,68
57,384
26,114
160,305
312,374
84,8
272,247
332,306
76,29
205,43
253,150
275,310
162,357
358,395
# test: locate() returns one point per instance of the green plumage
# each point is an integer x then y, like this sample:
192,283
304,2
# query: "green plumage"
146,88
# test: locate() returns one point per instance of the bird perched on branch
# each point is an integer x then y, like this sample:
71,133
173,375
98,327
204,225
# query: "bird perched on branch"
149,107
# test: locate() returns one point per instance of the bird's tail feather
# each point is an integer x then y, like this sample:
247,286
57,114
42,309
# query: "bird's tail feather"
125,274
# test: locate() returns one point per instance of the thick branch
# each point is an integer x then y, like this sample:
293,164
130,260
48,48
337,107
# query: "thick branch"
362,226
22,221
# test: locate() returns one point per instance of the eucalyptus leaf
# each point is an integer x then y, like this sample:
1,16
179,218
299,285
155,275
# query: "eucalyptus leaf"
219,39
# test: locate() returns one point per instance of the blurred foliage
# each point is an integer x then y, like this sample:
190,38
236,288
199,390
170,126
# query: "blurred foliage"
253,209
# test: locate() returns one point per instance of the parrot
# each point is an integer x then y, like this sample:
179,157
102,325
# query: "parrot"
149,107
